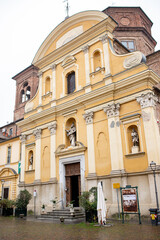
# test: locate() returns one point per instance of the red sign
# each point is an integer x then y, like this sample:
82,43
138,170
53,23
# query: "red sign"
129,198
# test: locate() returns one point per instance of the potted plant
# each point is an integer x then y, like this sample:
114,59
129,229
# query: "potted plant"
43,208
71,208
54,201
21,202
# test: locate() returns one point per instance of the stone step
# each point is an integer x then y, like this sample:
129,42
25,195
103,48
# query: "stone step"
64,215
58,217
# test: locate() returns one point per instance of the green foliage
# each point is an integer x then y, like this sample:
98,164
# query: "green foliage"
6,203
43,206
88,200
30,212
54,201
23,199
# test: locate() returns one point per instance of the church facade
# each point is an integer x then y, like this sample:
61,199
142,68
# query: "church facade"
92,118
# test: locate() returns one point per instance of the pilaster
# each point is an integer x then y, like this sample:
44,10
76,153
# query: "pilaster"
152,136
53,81
23,154
90,144
85,49
112,111
104,40
37,134
40,88
52,128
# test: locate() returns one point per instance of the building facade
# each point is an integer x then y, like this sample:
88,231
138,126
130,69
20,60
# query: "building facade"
9,178
92,118
10,146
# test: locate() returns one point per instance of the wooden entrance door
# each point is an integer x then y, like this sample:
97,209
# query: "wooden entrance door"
73,183
6,193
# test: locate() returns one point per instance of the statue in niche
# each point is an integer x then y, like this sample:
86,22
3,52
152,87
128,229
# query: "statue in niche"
135,138
71,133
31,162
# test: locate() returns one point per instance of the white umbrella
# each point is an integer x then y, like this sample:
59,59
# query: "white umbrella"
101,206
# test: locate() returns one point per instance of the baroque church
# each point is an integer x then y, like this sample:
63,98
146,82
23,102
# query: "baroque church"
86,110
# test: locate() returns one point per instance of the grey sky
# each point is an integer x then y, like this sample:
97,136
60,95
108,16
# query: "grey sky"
25,24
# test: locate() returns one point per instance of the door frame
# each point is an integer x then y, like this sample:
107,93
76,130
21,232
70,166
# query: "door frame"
62,163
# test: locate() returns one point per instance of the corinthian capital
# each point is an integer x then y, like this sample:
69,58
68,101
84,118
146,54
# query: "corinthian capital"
40,74
37,133
53,67
85,49
147,100
112,110
104,38
23,138
52,128
88,117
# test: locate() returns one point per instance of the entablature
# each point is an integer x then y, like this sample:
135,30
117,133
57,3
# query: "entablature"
111,91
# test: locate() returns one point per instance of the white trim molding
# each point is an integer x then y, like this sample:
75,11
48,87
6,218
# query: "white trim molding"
70,160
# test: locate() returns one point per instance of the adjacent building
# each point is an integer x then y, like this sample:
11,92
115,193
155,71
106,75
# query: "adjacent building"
10,146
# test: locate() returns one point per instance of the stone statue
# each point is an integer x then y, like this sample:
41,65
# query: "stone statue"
31,162
135,138
71,133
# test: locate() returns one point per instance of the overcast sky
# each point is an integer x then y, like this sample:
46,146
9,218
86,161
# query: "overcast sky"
24,25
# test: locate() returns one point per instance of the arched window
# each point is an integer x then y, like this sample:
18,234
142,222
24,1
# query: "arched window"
22,96
97,60
25,93
71,82
47,85
28,93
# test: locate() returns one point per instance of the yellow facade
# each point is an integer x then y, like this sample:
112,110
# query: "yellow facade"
9,168
112,95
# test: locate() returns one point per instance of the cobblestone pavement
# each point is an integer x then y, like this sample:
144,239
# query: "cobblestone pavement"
21,229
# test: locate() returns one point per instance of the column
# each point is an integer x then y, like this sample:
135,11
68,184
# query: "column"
37,134
112,111
40,88
23,154
86,57
90,144
104,40
53,82
151,131
53,128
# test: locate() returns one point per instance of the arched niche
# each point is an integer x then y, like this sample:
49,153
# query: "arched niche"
69,124
47,85
97,60
131,131
30,160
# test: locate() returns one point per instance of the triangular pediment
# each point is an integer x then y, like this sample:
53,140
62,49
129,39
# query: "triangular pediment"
68,30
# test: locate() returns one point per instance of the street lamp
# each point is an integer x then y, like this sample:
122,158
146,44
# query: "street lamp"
2,181
1,210
153,167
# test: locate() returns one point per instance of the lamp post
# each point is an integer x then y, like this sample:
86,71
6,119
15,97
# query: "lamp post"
153,167
2,182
